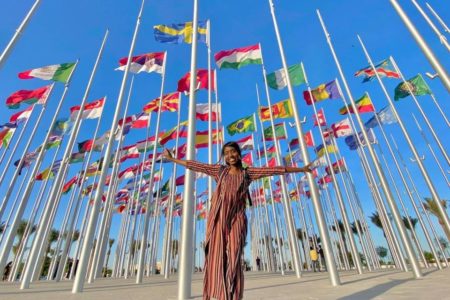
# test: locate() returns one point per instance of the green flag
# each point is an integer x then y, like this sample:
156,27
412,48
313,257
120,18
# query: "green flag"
417,85
242,125
277,80
280,131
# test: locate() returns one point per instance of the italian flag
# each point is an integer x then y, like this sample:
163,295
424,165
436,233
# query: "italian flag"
59,72
202,111
91,110
277,80
237,58
22,115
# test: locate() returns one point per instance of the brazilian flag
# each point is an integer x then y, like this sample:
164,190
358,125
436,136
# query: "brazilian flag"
242,125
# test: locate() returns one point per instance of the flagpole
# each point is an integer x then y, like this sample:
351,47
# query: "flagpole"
441,37
446,29
275,217
210,141
340,199
423,45
149,200
4,56
440,109
410,143
430,127
334,276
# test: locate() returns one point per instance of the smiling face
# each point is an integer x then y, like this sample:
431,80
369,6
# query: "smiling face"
232,155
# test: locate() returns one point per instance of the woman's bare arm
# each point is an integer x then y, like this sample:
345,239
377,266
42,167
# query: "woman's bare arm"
167,155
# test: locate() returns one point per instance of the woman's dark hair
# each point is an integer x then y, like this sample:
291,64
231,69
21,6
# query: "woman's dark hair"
232,145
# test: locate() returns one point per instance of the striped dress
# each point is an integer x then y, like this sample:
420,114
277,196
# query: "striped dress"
226,230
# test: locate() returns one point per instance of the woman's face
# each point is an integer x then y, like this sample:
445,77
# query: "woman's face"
231,156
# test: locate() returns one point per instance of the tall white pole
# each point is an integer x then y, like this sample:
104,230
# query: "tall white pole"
18,33
210,141
186,253
321,222
446,29
423,45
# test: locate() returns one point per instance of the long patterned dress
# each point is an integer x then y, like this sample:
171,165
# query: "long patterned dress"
226,230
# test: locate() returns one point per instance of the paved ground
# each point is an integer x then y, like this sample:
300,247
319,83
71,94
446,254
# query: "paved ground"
435,285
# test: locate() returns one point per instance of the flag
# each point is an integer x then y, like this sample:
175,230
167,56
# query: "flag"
141,121
239,57
95,168
342,128
6,135
38,96
277,80
179,181
319,119
181,131
242,125
181,151
247,159
201,138
91,110
320,150
338,165
89,145
293,157
59,72
202,81
352,141
128,152
309,140
9,125
384,69
272,162
319,162
53,141
363,105
180,33
61,127
246,143
282,109
68,186
170,102
280,132
126,123
148,62
385,116
76,158
325,179
324,91
22,115
49,172
416,85
202,111
270,152
27,160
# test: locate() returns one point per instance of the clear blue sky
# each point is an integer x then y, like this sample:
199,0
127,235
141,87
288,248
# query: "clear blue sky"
63,31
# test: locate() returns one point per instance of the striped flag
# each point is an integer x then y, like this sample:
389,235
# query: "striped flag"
202,111
239,57
21,116
148,62
59,72
91,110
38,96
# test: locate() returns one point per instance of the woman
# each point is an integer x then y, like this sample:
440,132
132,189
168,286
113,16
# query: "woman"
227,223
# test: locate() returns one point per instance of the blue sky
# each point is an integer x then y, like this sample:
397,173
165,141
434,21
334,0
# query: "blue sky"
63,31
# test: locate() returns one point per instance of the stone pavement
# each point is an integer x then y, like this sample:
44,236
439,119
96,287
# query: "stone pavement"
386,284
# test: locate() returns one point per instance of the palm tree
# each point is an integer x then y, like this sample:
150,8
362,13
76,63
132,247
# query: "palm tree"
20,233
432,207
375,218
355,229
382,252
110,244
413,223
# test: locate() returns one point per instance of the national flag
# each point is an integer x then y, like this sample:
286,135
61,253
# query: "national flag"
95,168
142,146
385,116
126,123
76,158
294,144
282,109
27,160
91,110
180,131
61,127
8,125
141,121
327,133
319,162
247,159
270,152
319,119
239,57
179,181
89,189
342,128
6,135
128,152
89,145
416,85
277,80
38,96
272,162
352,141
22,115
324,91
384,69
242,125
293,157
202,215
325,179
202,111
202,81
181,151
148,62
320,150
68,186
170,102
53,141
363,105
201,138
309,139
246,143
338,165
59,72
280,132
180,33
49,172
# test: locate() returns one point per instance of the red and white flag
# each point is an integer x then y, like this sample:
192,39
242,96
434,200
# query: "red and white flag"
248,159
246,143
91,110
22,115
128,152
141,121
342,128
319,119
202,112
309,140
148,62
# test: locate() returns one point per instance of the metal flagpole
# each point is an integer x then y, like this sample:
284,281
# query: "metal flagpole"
423,45
90,231
186,253
430,127
446,29
340,199
384,184
431,149
441,37
210,141
324,235
41,232
440,109
18,33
